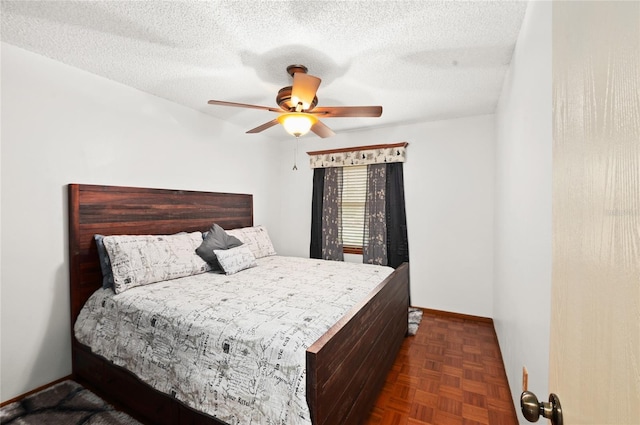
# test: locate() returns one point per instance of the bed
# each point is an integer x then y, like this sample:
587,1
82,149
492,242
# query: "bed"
345,367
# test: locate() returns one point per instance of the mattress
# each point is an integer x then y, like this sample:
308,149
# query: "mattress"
230,346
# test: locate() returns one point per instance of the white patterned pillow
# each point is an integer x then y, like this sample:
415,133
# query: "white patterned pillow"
142,259
235,259
256,238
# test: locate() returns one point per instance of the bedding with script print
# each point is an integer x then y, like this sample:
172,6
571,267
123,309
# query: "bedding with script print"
230,346
143,259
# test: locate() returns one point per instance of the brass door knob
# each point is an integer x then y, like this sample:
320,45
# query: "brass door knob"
532,409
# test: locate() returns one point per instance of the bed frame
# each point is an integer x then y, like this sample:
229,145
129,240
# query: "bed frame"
346,367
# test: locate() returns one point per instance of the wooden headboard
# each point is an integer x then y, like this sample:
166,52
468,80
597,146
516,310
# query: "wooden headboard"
116,210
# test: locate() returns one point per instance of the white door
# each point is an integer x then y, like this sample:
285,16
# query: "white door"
595,309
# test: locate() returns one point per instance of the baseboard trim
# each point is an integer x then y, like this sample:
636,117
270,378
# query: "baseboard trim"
457,315
27,394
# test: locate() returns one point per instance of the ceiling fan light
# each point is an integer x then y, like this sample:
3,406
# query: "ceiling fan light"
297,123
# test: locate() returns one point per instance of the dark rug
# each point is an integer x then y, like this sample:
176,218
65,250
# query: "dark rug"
66,403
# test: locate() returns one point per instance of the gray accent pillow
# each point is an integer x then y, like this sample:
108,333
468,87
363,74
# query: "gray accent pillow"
218,239
105,262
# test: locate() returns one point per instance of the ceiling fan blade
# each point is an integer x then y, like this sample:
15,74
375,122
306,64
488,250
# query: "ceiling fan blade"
242,105
322,130
263,127
304,89
347,111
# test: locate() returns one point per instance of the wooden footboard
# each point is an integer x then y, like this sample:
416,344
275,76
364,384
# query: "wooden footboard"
347,366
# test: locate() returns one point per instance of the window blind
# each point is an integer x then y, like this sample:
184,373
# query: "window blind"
354,196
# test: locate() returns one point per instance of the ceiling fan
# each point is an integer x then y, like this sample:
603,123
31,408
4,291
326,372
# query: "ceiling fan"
297,107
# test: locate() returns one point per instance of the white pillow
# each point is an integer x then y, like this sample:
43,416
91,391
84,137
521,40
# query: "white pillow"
236,259
142,259
256,238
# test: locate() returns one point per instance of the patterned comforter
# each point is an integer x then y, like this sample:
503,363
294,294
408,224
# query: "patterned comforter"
230,346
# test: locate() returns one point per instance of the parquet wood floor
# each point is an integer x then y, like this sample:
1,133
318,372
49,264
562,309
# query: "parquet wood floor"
449,373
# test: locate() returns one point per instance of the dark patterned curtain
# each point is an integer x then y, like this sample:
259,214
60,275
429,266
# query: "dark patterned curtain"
397,240
332,215
374,244
315,250
385,234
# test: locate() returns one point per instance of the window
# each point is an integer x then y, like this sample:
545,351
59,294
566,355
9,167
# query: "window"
354,196
360,208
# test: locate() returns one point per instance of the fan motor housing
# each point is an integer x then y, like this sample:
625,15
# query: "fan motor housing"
292,69
283,99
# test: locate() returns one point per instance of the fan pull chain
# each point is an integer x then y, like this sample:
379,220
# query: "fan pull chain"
295,154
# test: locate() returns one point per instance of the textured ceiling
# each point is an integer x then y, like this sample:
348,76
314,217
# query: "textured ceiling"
420,60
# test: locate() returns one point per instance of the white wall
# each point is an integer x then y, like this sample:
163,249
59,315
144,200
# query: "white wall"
62,125
522,291
449,200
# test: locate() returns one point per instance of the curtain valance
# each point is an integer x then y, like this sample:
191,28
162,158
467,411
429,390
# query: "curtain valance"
360,155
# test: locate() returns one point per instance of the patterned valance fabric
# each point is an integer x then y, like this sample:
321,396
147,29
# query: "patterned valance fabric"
363,155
